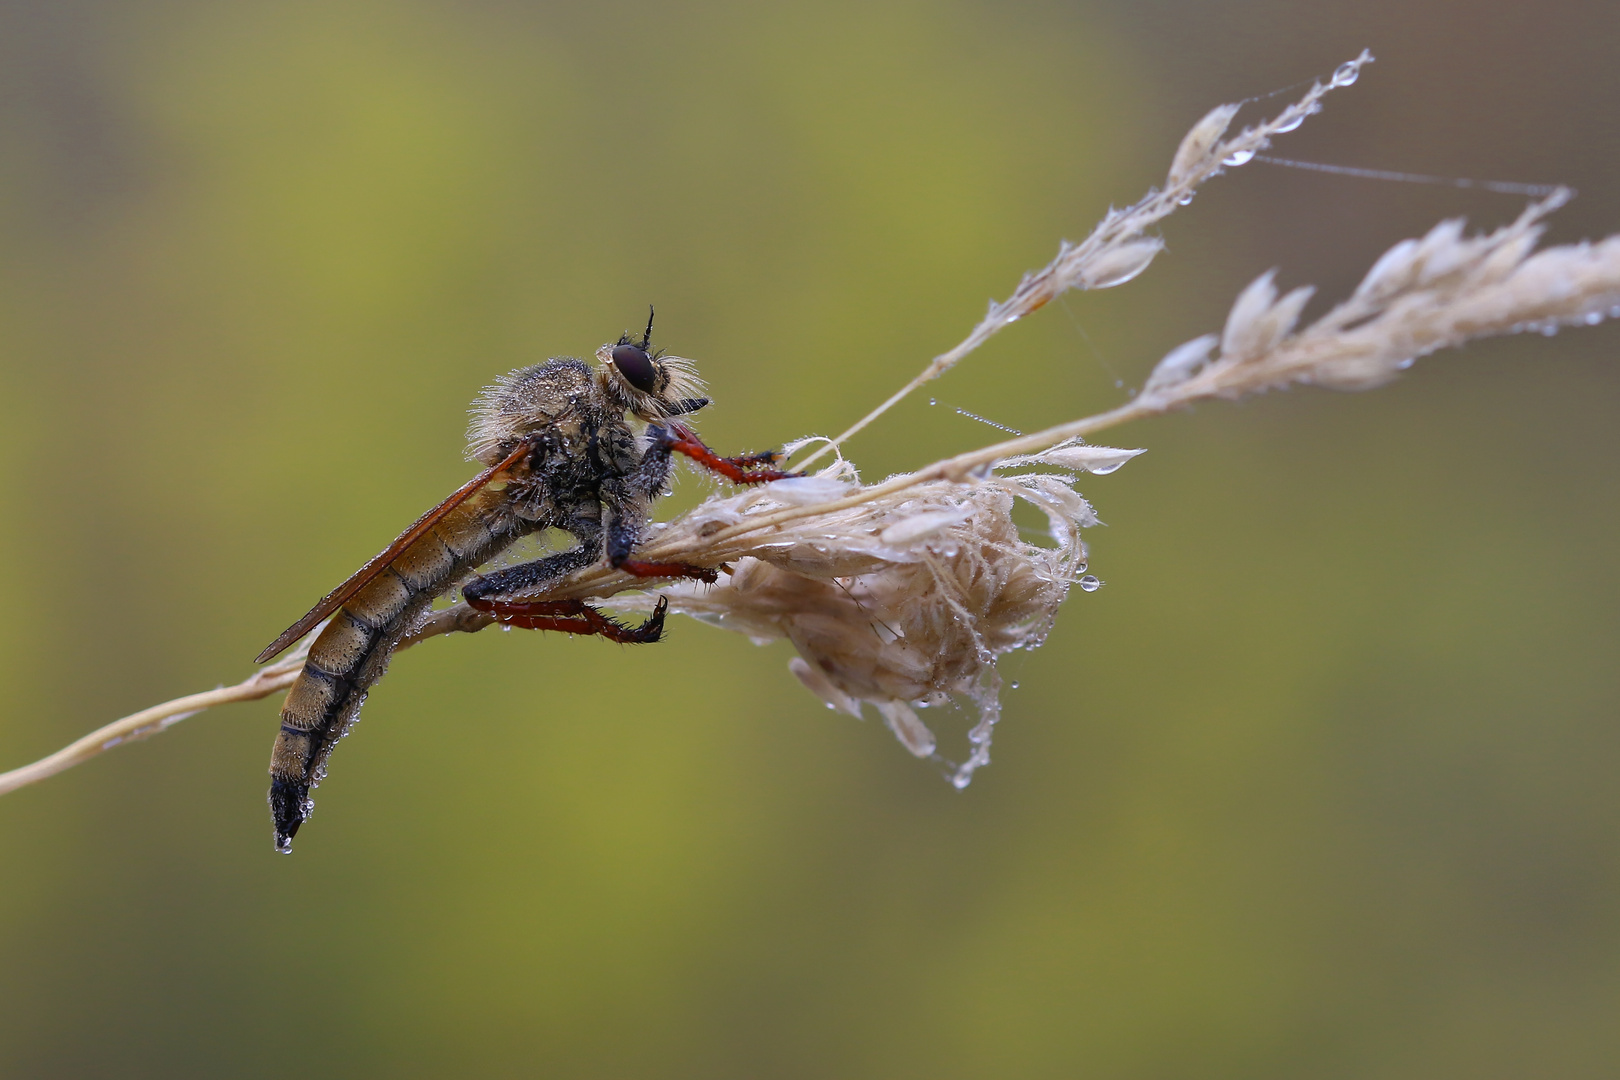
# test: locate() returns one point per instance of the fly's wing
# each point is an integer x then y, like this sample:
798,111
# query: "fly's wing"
362,576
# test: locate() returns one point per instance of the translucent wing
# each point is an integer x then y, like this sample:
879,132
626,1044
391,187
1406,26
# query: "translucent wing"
362,576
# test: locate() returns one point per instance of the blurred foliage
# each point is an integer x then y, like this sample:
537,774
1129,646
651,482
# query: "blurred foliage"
1320,784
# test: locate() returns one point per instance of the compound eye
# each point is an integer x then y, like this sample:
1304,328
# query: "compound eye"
636,367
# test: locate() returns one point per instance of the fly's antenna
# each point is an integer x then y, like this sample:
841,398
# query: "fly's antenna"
646,335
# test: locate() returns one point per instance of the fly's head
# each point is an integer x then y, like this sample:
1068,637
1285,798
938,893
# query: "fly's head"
652,385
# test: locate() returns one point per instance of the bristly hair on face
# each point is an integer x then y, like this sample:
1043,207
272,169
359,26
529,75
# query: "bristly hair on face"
677,375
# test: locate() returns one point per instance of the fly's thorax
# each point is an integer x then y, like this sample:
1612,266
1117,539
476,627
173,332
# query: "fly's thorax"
530,401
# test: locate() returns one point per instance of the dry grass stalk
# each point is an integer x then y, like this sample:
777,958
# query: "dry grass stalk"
1119,248
158,718
261,684
904,594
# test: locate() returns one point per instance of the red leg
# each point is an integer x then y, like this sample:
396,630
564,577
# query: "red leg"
572,617
667,569
743,469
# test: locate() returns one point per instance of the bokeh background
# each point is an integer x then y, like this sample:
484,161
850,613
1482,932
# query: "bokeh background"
1323,783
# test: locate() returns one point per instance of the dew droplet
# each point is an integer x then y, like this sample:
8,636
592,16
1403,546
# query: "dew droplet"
1081,568
1185,199
1593,318
1242,157
1347,74
1614,312
1089,583
1290,125
1549,329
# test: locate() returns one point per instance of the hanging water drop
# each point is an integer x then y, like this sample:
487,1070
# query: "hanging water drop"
1347,74
1548,329
1242,157
1185,199
1593,318
1290,125
1089,583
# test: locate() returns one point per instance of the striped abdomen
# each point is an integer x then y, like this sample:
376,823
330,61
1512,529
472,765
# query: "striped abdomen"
352,652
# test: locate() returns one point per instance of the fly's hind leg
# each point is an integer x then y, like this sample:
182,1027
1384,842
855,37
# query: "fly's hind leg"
567,616
479,590
575,617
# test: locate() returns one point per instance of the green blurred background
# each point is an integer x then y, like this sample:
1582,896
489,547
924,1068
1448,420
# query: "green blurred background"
1323,783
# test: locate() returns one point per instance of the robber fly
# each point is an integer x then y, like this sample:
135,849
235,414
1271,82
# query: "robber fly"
560,453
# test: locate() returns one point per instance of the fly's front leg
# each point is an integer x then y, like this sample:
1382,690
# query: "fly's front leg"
742,469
